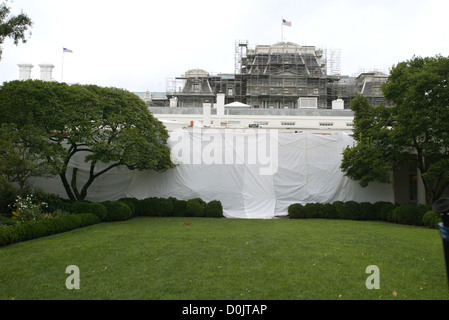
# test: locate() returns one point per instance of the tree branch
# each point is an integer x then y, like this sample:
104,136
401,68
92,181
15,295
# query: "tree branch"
93,176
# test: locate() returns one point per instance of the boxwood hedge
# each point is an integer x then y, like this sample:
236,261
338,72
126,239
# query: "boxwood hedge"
36,229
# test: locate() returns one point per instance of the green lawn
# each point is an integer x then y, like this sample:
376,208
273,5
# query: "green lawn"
204,258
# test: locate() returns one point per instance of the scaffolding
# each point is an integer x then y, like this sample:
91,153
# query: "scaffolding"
285,75
241,48
279,76
333,61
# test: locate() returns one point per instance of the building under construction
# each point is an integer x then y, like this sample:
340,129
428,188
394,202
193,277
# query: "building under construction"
280,76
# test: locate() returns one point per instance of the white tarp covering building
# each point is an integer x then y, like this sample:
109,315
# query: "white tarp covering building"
255,173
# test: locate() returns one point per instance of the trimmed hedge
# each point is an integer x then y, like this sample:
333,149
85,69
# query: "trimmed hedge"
154,207
91,207
179,208
131,203
296,211
36,229
431,219
196,207
117,211
411,214
172,207
351,210
214,209
84,213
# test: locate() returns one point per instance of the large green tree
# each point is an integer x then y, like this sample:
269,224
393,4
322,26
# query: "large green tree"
413,132
13,26
107,127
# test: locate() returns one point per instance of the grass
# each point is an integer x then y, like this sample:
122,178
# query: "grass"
228,259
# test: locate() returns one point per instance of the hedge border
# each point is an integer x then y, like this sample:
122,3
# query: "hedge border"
408,214
41,228
107,211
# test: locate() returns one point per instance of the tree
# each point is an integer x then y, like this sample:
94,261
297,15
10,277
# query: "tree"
106,127
413,132
366,159
20,156
14,27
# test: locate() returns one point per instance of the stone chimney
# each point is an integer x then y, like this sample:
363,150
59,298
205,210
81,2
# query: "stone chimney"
25,71
220,104
46,72
207,114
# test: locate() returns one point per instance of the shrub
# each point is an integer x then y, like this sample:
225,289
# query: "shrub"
329,211
179,208
296,211
428,217
313,210
117,211
366,211
411,214
214,209
131,202
431,219
35,229
434,223
96,208
340,210
8,194
196,208
154,207
352,210
165,207
54,202
144,207
26,209
383,209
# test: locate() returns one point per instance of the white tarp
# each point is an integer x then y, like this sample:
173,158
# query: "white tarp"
255,173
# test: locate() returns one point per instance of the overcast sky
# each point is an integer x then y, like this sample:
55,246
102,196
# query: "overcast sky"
139,44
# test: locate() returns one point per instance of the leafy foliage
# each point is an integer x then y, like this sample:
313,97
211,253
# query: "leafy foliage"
20,157
14,27
414,132
214,209
108,127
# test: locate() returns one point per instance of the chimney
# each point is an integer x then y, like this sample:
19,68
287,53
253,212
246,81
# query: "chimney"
338,104
220,104
46,72
25,71
206,113
173,102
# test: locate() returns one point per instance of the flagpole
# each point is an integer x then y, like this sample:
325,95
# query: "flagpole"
62,67
282,29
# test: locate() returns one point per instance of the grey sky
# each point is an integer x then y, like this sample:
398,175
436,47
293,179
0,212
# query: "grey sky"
137,44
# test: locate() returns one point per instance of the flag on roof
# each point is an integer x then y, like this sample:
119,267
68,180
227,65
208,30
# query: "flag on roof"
286,23
67,50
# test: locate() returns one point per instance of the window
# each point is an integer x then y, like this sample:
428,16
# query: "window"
285,123
326,124
230,92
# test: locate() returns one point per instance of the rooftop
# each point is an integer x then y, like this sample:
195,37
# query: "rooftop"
312,112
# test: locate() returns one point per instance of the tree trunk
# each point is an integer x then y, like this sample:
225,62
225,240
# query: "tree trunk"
72,188
434,189
66,185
